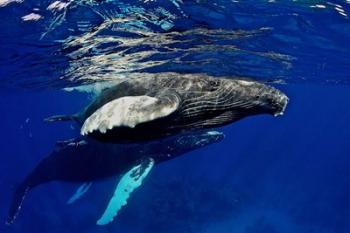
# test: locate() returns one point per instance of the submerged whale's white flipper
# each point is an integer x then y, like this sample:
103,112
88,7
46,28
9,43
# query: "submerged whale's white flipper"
127,184
130,111
79,193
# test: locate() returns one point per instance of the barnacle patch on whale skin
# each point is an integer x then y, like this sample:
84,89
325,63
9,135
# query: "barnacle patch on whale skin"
129,111
127,184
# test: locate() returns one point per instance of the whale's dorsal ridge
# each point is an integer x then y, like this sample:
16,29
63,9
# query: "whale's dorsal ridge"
130,111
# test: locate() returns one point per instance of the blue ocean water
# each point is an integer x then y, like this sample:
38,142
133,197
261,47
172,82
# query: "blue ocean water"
285,175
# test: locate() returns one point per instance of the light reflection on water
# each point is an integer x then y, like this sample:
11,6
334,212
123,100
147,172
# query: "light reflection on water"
66,43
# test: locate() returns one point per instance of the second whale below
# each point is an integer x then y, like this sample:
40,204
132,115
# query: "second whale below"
86,161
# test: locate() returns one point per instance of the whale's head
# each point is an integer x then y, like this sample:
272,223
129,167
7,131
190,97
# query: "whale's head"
259,98
271,100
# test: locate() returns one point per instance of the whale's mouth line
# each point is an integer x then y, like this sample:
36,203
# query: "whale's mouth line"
283,103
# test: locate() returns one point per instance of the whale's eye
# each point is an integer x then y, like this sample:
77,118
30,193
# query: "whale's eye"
257,97
213,85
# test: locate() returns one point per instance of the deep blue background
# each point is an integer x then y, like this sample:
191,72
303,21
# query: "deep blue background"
287,174
270,175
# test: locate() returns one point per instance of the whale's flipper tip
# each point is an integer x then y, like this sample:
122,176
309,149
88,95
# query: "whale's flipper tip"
61,118
79,193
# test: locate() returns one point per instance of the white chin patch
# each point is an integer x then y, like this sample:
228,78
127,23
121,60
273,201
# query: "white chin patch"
127,111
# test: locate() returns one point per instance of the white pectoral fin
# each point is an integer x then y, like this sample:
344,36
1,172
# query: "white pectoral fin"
130,111
79,193
127,184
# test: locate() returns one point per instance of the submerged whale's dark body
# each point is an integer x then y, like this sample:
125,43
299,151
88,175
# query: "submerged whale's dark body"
200,102
83,161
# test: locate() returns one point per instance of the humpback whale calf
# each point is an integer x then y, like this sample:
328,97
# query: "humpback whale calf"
165,104
84,160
